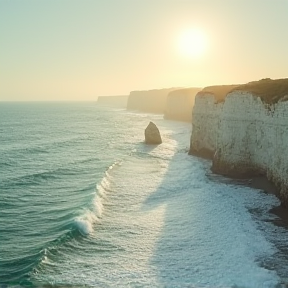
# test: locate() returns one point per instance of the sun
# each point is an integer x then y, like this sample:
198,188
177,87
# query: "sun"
192,43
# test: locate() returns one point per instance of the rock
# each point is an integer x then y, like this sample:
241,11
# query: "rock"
249,137
152,134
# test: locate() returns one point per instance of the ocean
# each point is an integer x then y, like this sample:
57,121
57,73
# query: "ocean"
85,203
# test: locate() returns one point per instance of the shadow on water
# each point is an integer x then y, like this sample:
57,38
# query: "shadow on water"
173,257
202,243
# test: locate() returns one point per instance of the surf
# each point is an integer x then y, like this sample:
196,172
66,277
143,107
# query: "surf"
109,209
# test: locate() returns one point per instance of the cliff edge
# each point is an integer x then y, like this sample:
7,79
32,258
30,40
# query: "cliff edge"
180,103
245,131
151,101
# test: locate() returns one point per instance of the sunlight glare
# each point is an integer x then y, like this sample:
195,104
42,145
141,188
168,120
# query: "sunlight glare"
192,43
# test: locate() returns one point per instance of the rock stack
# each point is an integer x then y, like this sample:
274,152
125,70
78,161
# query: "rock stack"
152,134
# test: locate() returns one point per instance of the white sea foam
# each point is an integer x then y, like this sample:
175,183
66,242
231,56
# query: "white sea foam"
86,222
98,206
169,225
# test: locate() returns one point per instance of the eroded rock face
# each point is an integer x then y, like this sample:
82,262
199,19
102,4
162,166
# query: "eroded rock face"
152,134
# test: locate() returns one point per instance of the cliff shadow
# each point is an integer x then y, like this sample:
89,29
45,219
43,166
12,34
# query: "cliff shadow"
173,258
200,242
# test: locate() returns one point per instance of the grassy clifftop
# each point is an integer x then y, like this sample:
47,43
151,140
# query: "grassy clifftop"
219,91
270,91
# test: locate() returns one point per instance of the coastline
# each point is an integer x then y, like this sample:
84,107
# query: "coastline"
277,216
262,183
255,182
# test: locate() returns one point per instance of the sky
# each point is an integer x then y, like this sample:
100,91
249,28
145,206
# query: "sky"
81,49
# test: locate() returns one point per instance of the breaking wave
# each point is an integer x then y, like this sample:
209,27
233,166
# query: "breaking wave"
89,217
82,224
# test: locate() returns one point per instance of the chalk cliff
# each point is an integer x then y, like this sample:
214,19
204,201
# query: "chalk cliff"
179,104
153,101
245,131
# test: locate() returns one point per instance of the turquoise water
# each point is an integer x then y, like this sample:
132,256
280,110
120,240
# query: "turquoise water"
84,202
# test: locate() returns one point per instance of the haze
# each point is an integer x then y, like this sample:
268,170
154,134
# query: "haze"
78,50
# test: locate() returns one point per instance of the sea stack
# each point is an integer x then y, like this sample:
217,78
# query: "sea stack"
152,134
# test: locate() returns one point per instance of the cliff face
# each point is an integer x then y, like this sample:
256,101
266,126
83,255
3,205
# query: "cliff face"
246,135
179,104
205,120
153,101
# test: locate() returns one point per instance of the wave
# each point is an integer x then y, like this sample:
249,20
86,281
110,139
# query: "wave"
87,217
45,147
5,164
40,176
36,150
85,222
33,178
14,269
80,223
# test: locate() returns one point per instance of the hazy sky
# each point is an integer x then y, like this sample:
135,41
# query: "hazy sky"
80,49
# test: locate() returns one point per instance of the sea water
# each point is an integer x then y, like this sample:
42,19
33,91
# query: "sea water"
84,202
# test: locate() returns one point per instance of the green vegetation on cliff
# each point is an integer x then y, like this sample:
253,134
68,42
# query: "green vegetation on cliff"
219,91
270,91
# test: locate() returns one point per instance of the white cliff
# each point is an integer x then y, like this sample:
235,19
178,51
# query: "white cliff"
180,103
247,134
206,118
